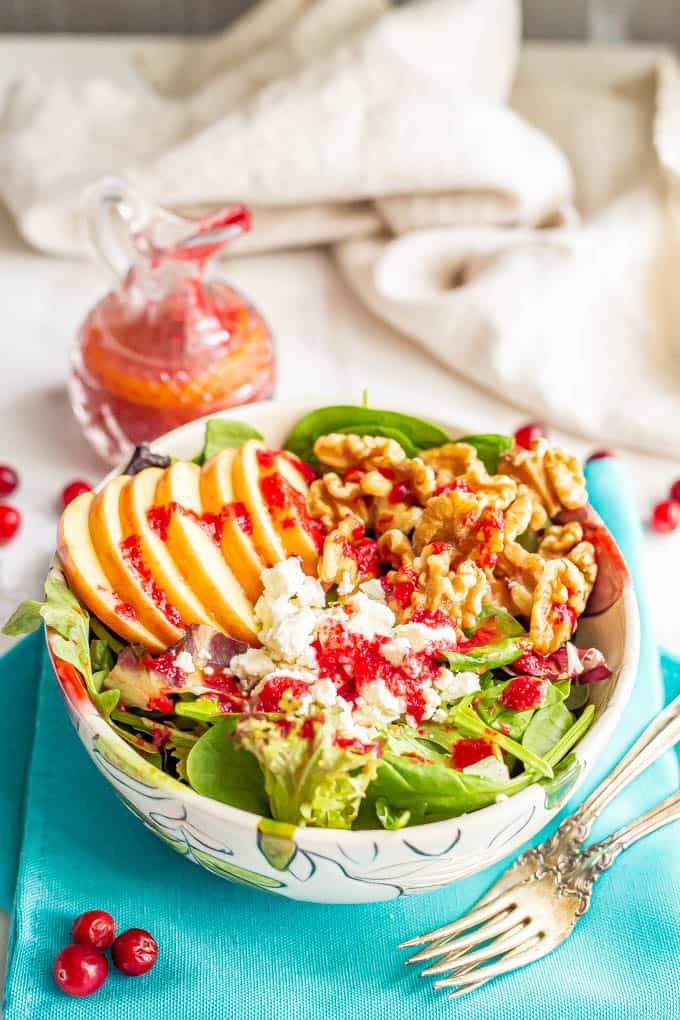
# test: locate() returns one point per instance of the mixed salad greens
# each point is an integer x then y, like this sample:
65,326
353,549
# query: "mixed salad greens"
517,724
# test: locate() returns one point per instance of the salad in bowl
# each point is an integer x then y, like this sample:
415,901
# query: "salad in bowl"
316,637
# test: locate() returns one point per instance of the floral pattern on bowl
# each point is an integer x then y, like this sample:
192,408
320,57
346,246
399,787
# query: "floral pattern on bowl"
337,866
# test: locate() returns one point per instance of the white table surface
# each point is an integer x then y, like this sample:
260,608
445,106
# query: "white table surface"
328,347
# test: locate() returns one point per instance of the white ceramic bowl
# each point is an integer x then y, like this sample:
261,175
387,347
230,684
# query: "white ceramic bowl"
328,865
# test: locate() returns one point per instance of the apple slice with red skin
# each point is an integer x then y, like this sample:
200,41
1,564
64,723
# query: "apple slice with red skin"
137,498
238,548
125,568
284,491
87,579
246,484
187,532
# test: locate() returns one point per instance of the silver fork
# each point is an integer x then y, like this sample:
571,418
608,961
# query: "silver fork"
535,904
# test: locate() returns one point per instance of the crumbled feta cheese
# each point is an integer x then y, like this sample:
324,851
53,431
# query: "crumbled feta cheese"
311,594
432,701
349,728
456,685
346,585
208,670
489,768
396,650
284,579
185,662
420,636
373,589
325,693
251,666
377,706
368,617
290,638
441,715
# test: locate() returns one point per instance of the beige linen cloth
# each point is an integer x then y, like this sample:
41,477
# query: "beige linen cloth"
520,229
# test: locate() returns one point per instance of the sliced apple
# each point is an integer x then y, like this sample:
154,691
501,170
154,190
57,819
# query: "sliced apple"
246,482
191,545
88,580
124,565
137,498
238,549
284,491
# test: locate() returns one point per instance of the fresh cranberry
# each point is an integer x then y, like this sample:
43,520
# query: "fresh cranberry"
9,480
10,522
525,435
600,455
665,516
134,952
73,489
94,928
675,491
522,692
80,970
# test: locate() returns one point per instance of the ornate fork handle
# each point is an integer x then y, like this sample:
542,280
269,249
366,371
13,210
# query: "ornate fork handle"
561,850
595,859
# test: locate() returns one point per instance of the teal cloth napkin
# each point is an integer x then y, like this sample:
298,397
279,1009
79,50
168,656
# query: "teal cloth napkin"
232,952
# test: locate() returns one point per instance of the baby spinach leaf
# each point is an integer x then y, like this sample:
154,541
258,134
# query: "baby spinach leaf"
489,448
547,727
504,622
403,740
433,792
472,726
498,653
348,418
407,446
530,540
221,433
572,736
217,767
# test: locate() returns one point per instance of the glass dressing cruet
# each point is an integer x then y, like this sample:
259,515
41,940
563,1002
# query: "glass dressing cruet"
171,342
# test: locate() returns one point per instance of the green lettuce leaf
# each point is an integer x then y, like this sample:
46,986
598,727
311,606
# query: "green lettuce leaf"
218,767
65,614
25,619
347,418
309,780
